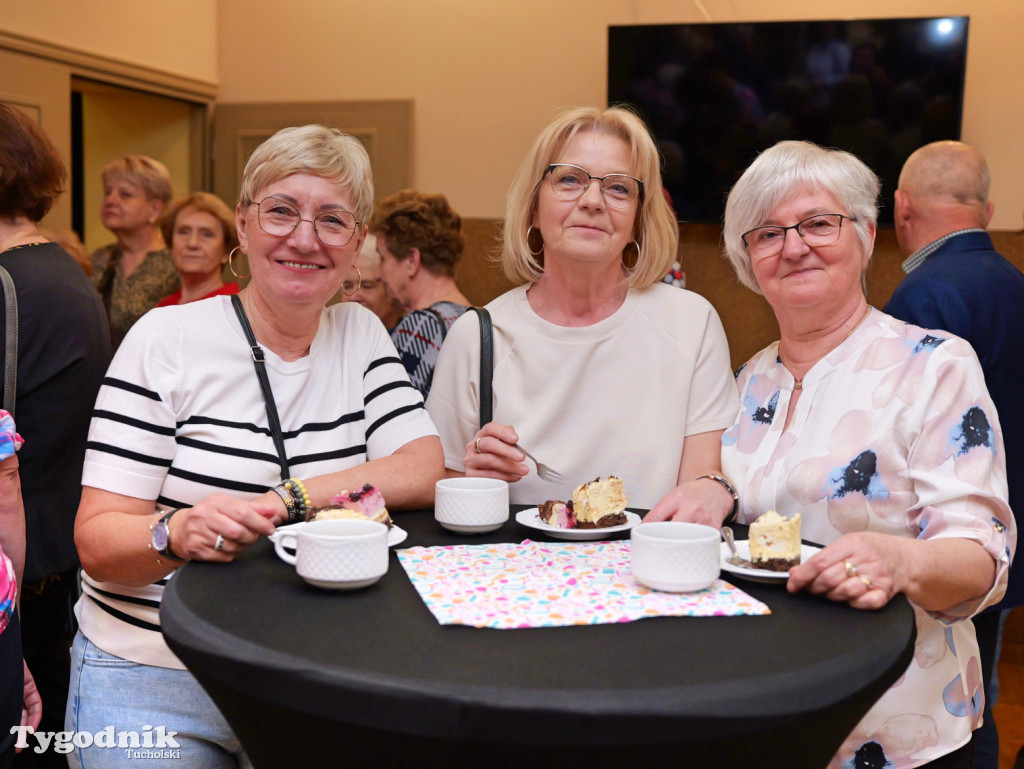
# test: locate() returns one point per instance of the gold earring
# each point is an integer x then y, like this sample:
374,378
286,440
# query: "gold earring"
539,249
231,263
359,280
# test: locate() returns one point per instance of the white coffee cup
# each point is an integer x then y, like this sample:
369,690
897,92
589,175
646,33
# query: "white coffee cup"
471,505
674,556
336,555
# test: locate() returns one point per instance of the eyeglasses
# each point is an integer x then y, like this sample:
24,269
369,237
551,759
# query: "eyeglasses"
333,228
350,286
818,230
570,182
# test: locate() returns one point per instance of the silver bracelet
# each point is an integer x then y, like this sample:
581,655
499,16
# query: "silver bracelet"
728,487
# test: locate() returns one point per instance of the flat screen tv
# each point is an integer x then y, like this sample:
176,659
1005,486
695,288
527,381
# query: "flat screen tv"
714,95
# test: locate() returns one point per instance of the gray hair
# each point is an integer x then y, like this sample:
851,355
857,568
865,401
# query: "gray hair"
782,171
316,150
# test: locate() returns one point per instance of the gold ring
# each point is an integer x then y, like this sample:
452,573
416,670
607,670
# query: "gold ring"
477,445
851,570
866,581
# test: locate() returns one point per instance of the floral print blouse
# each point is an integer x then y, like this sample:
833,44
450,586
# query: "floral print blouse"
10,442
894,432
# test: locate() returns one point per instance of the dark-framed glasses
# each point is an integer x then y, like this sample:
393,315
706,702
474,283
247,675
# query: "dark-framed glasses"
350,286
279,218
817,230
570,182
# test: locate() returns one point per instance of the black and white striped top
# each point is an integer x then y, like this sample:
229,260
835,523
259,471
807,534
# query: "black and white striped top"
181,415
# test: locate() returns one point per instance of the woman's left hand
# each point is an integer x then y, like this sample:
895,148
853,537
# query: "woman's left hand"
31,703
700,501
219,527
863,569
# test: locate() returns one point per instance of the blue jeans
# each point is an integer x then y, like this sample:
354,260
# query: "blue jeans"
107,691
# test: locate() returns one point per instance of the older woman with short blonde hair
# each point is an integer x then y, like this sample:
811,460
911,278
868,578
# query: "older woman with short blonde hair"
599,368
217,457
136,272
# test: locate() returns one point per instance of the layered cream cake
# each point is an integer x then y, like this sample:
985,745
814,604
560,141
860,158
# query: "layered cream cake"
775,542
595,505
367,502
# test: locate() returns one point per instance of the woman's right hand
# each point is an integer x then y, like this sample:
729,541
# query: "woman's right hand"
493,454
195,530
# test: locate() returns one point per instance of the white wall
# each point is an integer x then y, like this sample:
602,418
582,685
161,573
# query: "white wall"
486,75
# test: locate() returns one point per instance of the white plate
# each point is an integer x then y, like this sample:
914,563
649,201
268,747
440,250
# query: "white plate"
759,575
531,519
396,534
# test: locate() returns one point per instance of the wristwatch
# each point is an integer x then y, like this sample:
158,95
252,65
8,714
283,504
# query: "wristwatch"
161,537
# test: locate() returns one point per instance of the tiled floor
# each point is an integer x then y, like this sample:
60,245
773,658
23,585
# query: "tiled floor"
1009,709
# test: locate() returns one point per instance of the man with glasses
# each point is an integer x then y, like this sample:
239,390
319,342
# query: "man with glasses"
369,291
956,281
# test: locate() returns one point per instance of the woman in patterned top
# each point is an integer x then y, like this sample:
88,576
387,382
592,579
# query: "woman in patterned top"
182,463
419,239
19,700
881,434
136,272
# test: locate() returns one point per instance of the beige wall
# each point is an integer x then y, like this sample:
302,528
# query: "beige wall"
487,75
179,36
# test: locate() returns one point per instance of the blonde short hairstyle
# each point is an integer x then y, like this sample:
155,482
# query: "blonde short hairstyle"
782,171
207,203
148,173
655,229
312,149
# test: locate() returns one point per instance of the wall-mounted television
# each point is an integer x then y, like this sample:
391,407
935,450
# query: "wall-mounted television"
714,95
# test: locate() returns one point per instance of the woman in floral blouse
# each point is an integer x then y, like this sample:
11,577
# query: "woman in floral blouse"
881,434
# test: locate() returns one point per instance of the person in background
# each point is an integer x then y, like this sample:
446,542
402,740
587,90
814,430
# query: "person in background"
204,477
419,239
19,699
956,281
136,272
368,290
63,352
201,231
599,368
880,434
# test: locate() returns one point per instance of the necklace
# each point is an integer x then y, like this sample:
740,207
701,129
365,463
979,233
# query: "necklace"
798,384
23,245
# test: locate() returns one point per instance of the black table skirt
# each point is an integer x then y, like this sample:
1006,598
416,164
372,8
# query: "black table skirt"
305,676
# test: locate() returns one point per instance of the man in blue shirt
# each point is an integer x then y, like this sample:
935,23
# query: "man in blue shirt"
956,281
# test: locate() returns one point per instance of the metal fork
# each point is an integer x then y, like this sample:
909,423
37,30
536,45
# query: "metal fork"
544,472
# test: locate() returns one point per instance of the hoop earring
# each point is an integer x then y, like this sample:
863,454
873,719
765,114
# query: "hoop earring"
534,250
631,257
359,279
231,263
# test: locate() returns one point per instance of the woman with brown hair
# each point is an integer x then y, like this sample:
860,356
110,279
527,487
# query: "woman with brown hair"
419,239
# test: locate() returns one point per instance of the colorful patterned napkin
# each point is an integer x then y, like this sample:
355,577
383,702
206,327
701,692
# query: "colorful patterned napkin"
544,584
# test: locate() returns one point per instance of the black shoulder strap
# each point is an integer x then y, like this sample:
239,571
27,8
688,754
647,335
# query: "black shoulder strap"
259,361
486,365
10,341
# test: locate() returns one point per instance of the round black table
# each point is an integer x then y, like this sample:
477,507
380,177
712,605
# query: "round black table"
314,678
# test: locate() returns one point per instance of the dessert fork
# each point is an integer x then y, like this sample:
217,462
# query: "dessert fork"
544,472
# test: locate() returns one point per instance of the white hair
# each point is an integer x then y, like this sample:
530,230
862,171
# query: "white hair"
784,170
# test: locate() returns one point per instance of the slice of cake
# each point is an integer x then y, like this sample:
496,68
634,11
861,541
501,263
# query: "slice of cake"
599,504
367,502
558,514
775,542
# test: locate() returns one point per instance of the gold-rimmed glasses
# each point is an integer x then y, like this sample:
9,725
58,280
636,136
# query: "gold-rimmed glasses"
570,182
818,230
280,218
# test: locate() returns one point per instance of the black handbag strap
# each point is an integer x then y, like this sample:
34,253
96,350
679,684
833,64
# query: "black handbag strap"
486,365
259,361
10,341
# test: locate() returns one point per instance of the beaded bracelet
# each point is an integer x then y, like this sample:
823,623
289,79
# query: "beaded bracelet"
728,487
300,499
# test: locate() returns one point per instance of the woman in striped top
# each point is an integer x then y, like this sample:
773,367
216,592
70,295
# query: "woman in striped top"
181,464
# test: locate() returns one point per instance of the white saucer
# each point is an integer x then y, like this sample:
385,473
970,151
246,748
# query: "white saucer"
460,529
759,575
355,585
531,519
